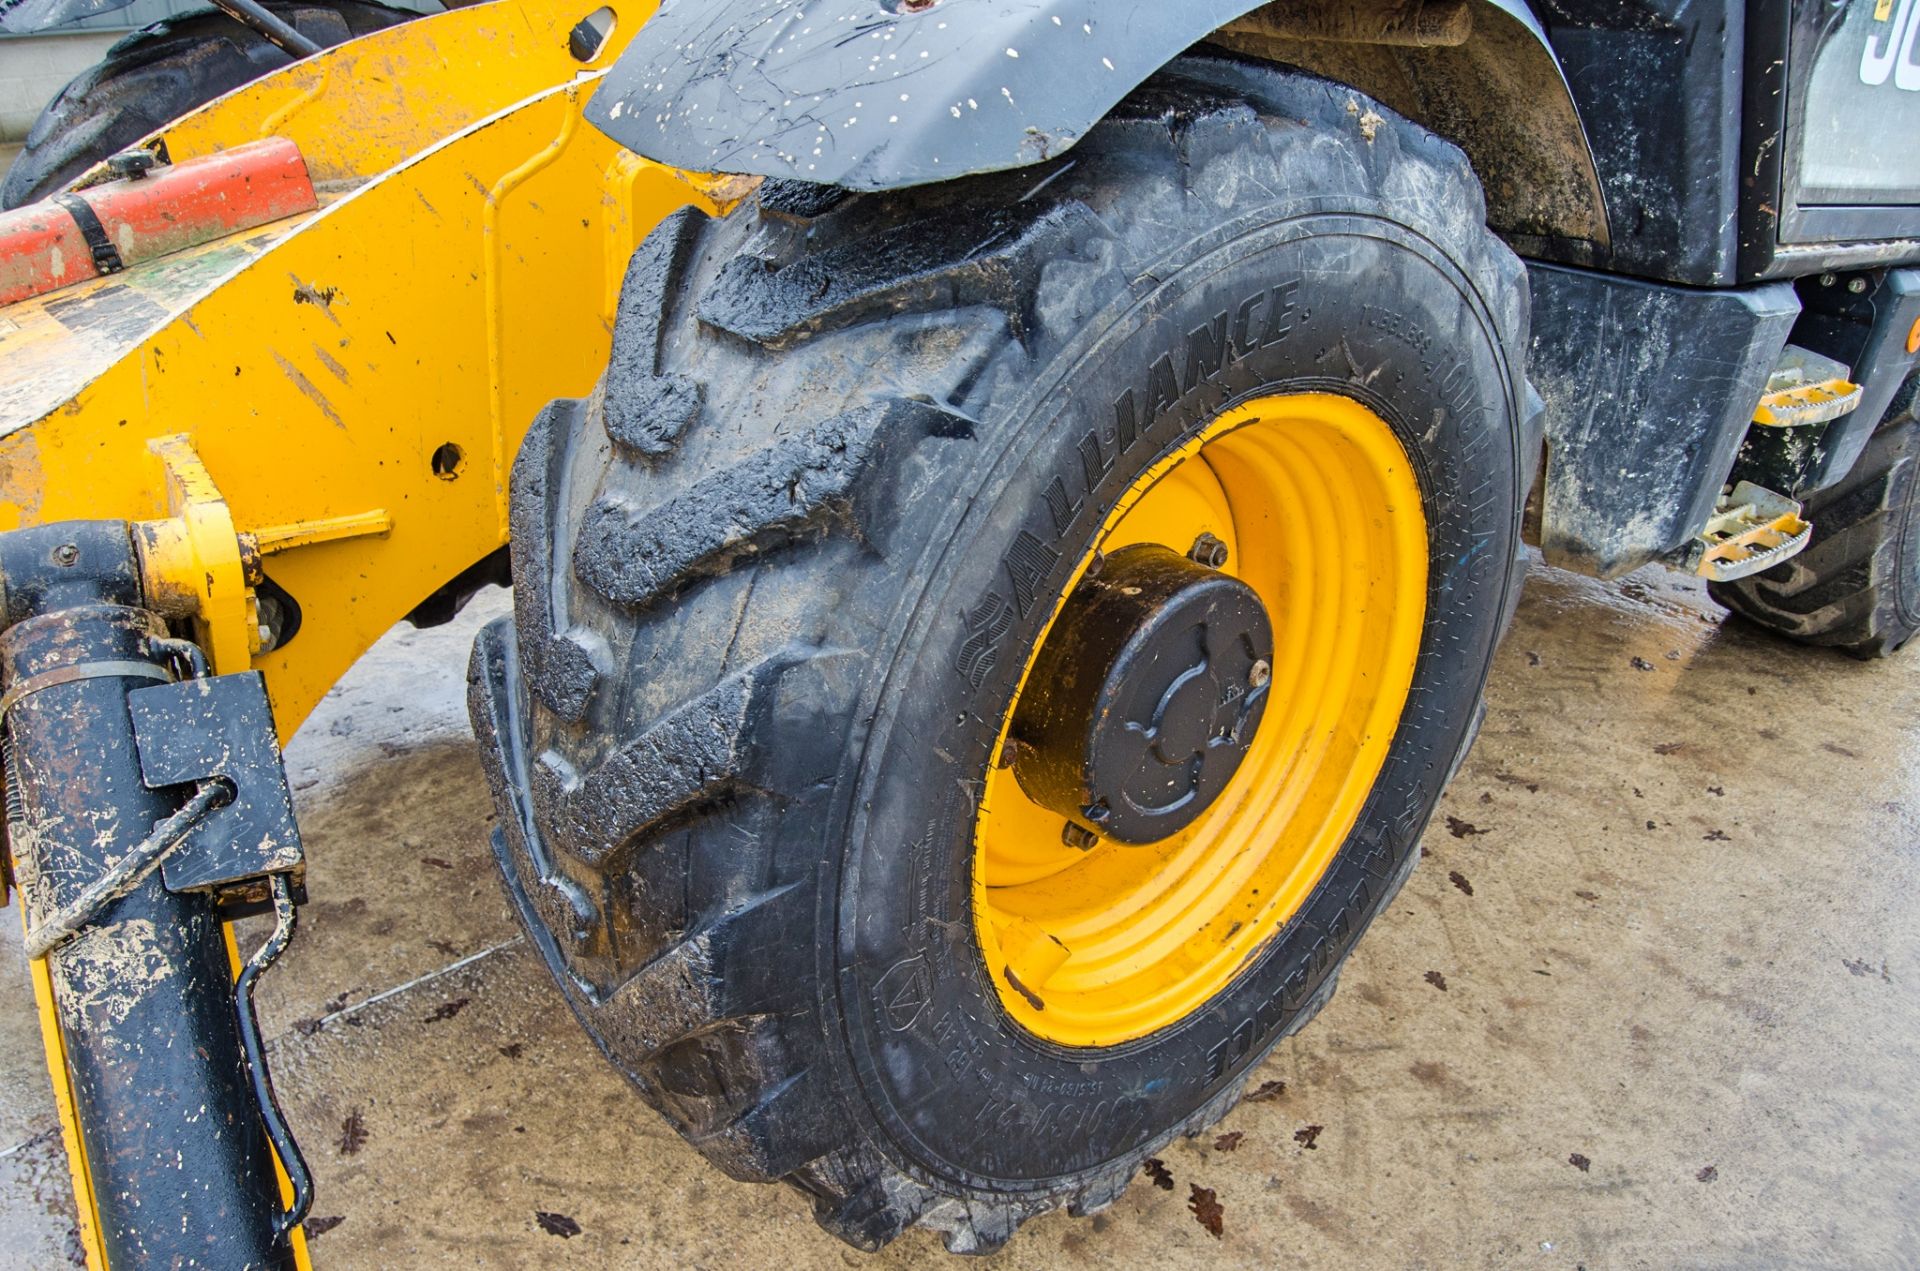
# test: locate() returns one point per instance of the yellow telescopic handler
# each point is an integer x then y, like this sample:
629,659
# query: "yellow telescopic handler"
1010,507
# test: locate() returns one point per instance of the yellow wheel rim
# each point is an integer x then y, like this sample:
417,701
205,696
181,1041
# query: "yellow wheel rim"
1321,515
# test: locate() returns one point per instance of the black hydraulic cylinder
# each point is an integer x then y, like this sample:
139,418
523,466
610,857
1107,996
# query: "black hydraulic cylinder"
181,1169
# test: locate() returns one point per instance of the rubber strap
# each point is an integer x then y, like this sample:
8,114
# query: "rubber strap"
106,257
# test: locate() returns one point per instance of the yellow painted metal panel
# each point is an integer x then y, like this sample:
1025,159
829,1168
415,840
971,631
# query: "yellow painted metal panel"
442,306
319,365
359,108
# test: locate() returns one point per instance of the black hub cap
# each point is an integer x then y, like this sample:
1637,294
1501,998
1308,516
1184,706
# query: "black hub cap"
1145,697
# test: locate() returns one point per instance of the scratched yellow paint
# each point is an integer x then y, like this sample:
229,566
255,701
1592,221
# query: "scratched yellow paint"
362,107
319,365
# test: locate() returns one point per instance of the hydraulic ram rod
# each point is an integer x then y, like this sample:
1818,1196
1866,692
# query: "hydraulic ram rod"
182,1174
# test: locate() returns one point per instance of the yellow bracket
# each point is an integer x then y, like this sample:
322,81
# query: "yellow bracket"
195,567
331,529
190,566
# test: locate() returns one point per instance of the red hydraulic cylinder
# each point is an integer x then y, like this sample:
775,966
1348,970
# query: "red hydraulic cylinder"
99,230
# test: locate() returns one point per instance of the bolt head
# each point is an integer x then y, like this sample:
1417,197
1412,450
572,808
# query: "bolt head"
1259,673
132,164
1079,836
1209,551
66,554
1857,286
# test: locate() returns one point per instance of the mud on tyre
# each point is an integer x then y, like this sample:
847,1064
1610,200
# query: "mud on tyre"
779,580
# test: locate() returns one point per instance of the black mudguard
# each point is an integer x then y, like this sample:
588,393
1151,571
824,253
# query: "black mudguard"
868,95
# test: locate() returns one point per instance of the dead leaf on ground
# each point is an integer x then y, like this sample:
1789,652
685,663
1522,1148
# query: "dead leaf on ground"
1862,967
1459,880
447,1010
1436,979
1579,1162
1266,1090
1463,829
1207,1211
1229,1141
1306,1135
353,1133
556,1224
1156,1169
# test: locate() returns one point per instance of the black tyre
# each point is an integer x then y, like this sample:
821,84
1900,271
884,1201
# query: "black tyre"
1856,586
777,585
159,73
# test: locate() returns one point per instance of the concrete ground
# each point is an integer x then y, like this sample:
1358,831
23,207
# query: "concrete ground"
1652,1000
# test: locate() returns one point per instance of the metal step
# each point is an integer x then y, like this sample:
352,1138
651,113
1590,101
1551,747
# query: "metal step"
1806,388
1752,528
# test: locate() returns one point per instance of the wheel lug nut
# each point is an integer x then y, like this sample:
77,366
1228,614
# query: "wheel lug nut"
1260,672
1079,836
1209,551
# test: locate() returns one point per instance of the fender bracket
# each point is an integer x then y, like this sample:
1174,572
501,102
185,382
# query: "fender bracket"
219,727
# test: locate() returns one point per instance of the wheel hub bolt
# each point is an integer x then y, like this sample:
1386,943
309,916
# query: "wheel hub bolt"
1079,836
1209,551
1259,673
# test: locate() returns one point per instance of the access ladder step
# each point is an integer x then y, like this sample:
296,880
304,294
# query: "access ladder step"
1806,388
